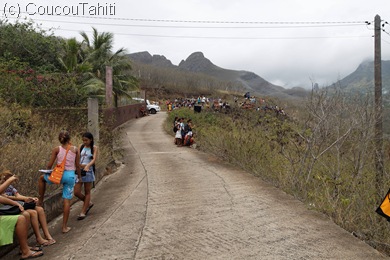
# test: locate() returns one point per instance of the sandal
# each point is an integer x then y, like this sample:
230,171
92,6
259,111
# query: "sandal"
34,254
81,217
90,207
66,230
34,248
49,242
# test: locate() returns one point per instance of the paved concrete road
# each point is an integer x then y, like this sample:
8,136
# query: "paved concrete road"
178,203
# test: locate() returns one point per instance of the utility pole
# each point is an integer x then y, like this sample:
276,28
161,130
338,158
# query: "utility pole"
108,87
378,106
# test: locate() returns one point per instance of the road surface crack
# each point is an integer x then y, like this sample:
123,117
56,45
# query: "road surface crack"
147,203
224,184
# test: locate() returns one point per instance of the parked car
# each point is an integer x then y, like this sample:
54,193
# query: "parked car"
152,109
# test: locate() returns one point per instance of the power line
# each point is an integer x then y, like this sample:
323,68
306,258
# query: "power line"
269,25
206,27
223,37
383,29
205,21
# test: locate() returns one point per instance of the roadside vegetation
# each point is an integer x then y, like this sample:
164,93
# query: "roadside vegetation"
323,155
28,136
45,82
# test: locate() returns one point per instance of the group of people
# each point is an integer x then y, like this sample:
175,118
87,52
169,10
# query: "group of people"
278,110
17,212
179,103
260,104
202,101
184,135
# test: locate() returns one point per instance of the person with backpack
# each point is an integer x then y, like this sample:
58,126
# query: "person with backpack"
88,155
178,134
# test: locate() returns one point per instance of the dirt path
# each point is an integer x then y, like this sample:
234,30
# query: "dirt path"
178,203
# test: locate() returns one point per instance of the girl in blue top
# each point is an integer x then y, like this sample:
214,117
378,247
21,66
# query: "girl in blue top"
88,156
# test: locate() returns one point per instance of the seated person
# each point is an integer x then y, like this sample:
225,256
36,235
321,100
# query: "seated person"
17,224
189,139
37,215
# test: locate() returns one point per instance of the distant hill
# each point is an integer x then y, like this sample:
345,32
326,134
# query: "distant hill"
362,79
155,60
199,64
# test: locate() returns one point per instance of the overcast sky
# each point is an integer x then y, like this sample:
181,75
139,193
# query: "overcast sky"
288,57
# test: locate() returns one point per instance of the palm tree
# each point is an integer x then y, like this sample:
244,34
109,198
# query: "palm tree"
99,55
72,60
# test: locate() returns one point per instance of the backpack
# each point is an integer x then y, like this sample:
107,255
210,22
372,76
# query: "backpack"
174,129
186,128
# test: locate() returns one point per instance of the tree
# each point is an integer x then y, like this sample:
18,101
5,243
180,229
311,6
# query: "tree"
73,58
99,54
29,43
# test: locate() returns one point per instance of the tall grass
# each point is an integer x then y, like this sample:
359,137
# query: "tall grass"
27,138
326,161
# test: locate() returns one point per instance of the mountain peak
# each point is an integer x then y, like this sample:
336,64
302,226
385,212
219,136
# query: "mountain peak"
362,78
147,58
197,62
196,55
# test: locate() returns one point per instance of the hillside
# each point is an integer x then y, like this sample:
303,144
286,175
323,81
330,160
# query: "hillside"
362,78
198,64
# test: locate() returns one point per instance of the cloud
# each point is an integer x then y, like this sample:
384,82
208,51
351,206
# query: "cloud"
274,55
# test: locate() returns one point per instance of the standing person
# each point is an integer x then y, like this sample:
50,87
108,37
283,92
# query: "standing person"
68,178
88,156
175,127
175,122
183,129
178,136
17,224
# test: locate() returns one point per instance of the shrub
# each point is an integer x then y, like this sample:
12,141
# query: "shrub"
25,150
325,158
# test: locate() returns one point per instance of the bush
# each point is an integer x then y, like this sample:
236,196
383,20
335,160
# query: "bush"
325,159
25,150
25,86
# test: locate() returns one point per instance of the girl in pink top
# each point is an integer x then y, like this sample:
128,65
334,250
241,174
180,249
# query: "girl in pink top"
68,178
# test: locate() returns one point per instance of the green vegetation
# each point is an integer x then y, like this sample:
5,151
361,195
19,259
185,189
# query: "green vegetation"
99,54
324,156
27,137
38,69
44,85
321,153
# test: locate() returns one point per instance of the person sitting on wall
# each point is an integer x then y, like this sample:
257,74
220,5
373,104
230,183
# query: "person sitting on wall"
16,223
37,213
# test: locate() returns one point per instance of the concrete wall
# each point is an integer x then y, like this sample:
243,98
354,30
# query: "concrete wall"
114,117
